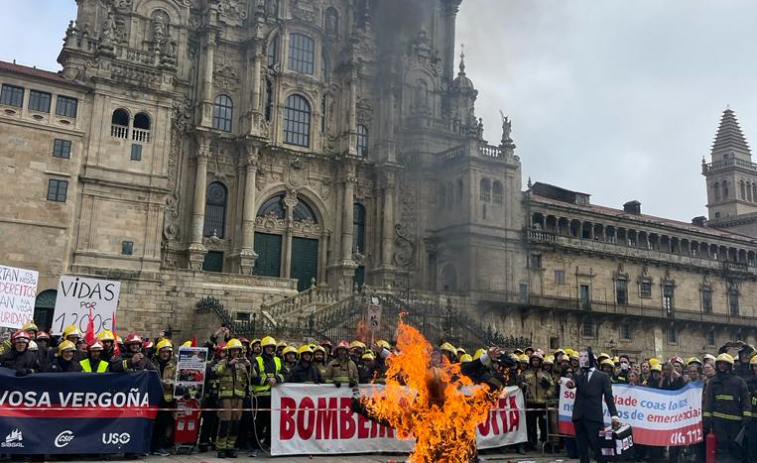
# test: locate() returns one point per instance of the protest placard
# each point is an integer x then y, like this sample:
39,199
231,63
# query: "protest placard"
190,372
77,295
18,291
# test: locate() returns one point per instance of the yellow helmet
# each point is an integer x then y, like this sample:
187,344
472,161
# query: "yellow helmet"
66,345
564,358
357,345
255,341
368,356
71,330
602,356
268,341
549,360
654,362
281,344
186,344
30,326
290,350
725,358
615,360
233,344
164,344
753,360
105,335
465,358
523,358
384,344
319,349
478,354
461,351
302,350
693,360
447,347
607,362
656,367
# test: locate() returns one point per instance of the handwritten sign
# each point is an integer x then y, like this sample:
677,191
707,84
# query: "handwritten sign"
18,291
76,295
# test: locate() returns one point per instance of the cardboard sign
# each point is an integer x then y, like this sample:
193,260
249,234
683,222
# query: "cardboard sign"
374,317
18,292
190,372
76,295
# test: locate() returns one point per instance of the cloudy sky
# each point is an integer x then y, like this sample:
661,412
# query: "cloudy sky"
617,99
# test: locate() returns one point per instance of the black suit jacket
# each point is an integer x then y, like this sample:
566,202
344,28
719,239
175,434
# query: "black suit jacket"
589,394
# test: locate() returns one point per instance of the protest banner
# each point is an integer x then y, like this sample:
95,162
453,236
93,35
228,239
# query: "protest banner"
658,417
373,315
77,295
18,292
311,419
190,372
56,413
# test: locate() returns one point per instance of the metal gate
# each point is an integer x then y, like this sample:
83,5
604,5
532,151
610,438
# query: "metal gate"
268,249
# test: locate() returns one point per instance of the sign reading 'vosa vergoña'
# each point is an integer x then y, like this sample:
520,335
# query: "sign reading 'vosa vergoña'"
77,295
18,291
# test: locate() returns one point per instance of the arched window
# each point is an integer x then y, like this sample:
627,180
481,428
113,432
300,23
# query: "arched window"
742,189
44,308
268,100
301,53
273,52
223,109
332,22
297,121
358,228
362,140
273,206
215,210
725,189
716,189
325,67
141,129
749,191
459,190
449,278
486,190
119,124
304,213
498,192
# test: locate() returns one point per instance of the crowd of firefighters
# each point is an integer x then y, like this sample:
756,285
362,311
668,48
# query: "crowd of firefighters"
241,373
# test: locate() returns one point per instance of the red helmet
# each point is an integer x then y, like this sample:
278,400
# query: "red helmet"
42,335
326,342
147,344
21,335
343,344
219,347
133,338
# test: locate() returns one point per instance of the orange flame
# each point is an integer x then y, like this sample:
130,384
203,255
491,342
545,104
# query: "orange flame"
428,402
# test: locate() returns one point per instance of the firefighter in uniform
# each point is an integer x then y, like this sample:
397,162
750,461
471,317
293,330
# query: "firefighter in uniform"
164,421
342,369
305,371
20,358
727,407
133,359
233,380
539,388
64,362
319,360
268,374
93,363
290,359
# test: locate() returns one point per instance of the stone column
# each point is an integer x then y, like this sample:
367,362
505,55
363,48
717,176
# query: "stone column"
387,224
247,255
256,80
197,250
352,149
347,216
207,81
290,202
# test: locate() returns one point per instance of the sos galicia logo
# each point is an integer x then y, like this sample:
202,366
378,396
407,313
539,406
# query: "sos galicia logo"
115,438
63,439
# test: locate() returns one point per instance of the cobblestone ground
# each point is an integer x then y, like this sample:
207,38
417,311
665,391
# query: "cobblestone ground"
210,457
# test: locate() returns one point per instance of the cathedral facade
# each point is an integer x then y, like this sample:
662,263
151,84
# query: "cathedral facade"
281,155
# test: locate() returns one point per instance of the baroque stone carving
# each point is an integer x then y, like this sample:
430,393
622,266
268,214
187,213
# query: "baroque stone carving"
227,77
235,10
404,231
304,10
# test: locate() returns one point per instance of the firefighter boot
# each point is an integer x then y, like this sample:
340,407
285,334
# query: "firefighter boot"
223,438
231,443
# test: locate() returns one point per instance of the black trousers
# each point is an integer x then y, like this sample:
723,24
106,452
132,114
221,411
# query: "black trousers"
532,418
587,438
263,422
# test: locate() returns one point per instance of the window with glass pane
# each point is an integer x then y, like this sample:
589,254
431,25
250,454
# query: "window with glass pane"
61,149
625,330
733,302
672,335
12,95
39,101
297,121
223,109
66,106
621,291
273,206
587,329
273,51
304,213
560,277
362,140
645,288
710,338
57,190
301,53
136,152
215,210
325,68
667,297
358,228
707,300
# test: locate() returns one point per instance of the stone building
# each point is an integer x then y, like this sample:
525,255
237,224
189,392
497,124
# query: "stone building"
278,155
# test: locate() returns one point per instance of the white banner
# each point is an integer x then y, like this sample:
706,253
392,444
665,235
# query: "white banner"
317,419
18,292
190,372
75,297
658,417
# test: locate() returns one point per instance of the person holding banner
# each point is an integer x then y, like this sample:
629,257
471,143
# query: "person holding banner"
93,363
20,358
234,380
64,362
592,386
727,409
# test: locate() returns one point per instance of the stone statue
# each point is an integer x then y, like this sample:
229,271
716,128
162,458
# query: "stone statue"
507,127
108,32
272,8
159,28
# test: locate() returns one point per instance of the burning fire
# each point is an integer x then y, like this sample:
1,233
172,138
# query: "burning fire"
427,402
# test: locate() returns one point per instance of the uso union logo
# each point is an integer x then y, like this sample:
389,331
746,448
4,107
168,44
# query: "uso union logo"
115,438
